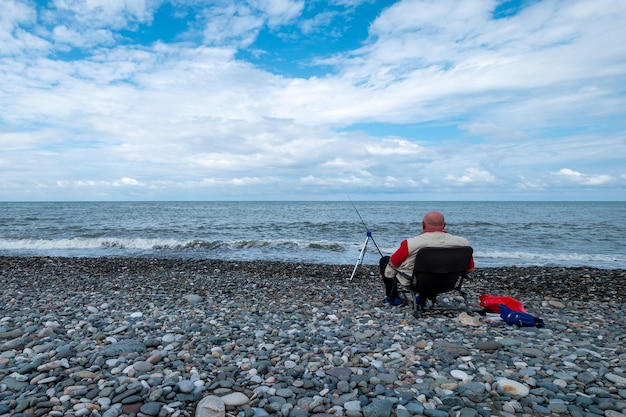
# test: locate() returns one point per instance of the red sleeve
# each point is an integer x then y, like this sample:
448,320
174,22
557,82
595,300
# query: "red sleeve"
400,254
471,264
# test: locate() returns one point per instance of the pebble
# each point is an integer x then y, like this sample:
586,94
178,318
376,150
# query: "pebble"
156,337
458,374
235,399
513,387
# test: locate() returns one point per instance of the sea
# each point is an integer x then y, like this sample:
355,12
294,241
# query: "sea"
565,234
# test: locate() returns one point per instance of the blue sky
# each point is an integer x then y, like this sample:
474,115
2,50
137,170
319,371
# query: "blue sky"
312,100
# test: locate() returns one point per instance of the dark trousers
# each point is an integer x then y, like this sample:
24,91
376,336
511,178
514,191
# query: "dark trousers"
391,287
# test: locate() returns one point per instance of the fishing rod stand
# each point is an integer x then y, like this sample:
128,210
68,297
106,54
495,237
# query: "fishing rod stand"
362,254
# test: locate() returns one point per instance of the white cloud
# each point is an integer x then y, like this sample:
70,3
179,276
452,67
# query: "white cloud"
533,93
451,58
245,181
122,182
13,14
234,23
127,182
535,184
239,22
63,35
99,13
278,12
491,130
317,24
472,176
14,40
391,147
584,179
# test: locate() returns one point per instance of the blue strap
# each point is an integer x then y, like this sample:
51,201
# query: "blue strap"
519,318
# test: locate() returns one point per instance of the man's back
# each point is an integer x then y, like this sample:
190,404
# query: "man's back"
429,239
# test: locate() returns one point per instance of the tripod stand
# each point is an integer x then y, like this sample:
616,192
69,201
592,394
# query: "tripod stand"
362,254
367,239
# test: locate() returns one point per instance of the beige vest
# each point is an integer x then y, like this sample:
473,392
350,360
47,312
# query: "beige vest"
430,239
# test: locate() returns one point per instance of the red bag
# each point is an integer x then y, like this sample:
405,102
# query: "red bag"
491,302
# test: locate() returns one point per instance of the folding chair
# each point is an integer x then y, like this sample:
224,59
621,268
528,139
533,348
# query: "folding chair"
438,271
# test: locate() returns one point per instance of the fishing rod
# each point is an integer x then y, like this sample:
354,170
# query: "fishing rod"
369,234
368,237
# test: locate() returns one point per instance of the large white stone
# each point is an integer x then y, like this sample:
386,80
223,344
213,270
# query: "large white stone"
467,320
235,399
460,375
211,406
616,379
513,387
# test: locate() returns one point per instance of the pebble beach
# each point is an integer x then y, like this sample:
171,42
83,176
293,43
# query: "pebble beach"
164,337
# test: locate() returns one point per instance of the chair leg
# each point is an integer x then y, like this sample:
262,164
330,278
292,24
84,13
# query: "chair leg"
465,301
469,308
418,309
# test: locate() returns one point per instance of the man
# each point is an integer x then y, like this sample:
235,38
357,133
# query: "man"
402,260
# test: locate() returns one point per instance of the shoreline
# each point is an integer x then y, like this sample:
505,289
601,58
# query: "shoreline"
145,336
558,281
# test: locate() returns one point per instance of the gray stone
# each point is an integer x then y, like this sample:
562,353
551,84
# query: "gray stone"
185,386
151,408
258,412
66,351
11,334
508,342
114,411
600,392
541,409
22,405
586,377
284,392
468,412
124,346
378,408
557,406
475,387
352,406
531,352
387,378
343,386
143,366
415,407
235,399
616,379
17,344
488,345
14,385
298,412
342,399
210,406
575,411
132,399
193,298
339,371
435,413
403,412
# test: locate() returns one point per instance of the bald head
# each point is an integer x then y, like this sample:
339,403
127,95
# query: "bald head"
433,222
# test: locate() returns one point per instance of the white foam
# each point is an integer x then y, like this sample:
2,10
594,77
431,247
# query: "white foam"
89,243
548,256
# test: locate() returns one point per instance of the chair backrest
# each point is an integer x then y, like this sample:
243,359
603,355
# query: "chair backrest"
437,270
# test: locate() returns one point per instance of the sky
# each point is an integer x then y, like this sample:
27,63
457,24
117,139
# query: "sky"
419,100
